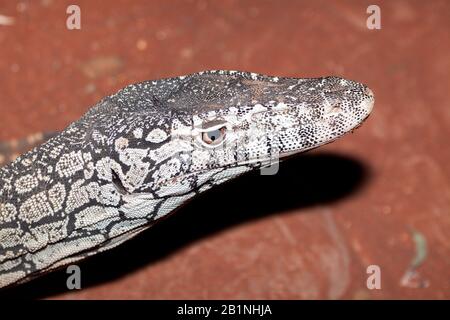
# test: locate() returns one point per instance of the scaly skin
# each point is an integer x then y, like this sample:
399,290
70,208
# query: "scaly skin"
144,151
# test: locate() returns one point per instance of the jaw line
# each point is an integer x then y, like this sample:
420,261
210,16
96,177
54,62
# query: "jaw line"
269,160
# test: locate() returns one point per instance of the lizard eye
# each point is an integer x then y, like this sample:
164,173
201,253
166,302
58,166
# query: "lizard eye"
214,137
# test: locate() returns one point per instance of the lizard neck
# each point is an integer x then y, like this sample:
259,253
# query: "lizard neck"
36,184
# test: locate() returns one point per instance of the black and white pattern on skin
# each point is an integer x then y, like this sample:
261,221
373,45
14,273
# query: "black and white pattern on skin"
144,151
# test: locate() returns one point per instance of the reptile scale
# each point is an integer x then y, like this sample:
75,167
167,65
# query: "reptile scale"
138,154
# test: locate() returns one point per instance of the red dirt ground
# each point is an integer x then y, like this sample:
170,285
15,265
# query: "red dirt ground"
380,196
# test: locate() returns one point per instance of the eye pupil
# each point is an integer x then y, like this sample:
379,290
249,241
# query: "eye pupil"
214,137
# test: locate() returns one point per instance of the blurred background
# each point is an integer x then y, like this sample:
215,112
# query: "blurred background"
380,196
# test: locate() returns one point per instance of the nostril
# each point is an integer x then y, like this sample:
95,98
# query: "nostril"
117,183
333,108
336,108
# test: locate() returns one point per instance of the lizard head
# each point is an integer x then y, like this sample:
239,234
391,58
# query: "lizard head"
195,131
142,152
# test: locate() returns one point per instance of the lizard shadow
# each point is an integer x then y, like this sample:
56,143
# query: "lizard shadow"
305,180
